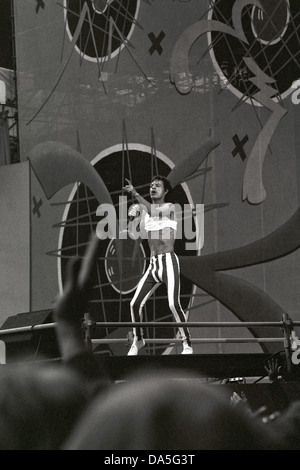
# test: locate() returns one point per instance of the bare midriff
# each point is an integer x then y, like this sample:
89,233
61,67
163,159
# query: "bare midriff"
161,241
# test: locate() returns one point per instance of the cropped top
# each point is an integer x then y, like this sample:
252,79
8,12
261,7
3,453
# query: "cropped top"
158,223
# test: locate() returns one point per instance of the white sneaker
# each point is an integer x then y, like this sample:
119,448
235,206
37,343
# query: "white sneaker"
135,347
187,349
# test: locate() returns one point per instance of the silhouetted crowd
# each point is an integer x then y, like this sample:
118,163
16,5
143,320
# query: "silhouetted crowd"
74,405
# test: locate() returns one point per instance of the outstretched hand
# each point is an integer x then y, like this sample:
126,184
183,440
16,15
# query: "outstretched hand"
239,400
273,370
129,187
70,310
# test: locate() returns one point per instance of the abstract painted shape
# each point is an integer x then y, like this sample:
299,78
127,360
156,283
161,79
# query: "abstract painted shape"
245,300
188,165
260,93
97,39
39,4
272,33
36,206
56,165
179,65
239,146
253,187
156,43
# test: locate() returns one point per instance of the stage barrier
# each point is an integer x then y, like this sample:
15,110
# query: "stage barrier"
286,325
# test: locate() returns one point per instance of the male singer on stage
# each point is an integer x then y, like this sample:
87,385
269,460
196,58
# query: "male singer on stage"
158,220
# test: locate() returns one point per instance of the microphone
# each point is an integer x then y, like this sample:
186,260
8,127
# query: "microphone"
134,211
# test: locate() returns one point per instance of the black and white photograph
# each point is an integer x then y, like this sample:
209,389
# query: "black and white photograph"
150,227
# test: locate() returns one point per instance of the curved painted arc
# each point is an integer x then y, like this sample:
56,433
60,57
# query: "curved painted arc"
246,301
188,165
57,165
277,244
179,65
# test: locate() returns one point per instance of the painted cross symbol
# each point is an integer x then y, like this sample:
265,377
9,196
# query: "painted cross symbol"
37,205
156,42
39,4
239,146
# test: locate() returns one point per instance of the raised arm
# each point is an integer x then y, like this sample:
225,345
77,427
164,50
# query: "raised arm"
72,304
167,209
140,199
70,311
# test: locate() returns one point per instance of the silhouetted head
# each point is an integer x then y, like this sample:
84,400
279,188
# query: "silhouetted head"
160,411
39,406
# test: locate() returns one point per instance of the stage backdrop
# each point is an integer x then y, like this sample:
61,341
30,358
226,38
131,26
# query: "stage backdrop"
206,92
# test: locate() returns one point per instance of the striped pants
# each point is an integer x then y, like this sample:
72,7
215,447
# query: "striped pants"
163,268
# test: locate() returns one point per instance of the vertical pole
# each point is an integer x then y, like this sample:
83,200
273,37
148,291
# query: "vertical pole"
17,157
287,329
30,241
